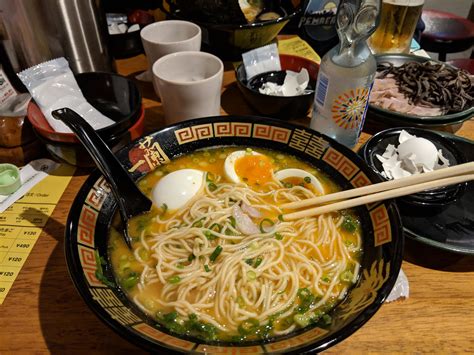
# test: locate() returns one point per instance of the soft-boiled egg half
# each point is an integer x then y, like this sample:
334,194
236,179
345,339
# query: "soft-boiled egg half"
299,177
249,167
177,188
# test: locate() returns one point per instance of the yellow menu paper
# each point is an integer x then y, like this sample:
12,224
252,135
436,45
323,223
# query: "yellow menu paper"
21,224
297,46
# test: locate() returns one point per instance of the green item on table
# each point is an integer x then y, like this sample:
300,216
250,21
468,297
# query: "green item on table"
9,179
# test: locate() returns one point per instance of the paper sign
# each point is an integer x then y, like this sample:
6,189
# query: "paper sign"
21,224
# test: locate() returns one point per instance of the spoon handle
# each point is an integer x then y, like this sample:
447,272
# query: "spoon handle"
131,201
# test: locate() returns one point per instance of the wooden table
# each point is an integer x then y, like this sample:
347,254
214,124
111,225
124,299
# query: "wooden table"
44,313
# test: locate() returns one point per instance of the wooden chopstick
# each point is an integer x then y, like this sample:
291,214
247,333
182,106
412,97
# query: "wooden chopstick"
460,169
402,191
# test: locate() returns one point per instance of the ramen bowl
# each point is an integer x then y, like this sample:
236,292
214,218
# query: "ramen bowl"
90,219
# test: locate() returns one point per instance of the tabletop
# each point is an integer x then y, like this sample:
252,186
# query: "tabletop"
44,313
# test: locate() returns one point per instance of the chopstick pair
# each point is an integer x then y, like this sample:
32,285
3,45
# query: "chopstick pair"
381,191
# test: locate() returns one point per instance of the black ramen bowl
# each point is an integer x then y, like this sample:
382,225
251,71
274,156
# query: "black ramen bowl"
396,119
224,37
284,107
439,197
91,215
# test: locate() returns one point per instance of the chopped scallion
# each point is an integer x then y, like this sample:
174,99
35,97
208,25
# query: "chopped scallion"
301,319
210,177
248,326
174,279
349,224
209,235
258,261
347,276
266,221
198,223
207,268
215,253
307,179
278,236
251,275
130,281
216,227
164,208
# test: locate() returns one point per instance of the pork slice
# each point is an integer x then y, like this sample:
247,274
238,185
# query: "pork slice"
384,84
399,105
425,111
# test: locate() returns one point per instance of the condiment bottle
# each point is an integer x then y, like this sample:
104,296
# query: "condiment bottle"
346,74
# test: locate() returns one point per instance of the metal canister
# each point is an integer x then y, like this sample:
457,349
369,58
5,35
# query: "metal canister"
34,31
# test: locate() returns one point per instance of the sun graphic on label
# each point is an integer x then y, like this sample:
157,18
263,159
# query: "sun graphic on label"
348,109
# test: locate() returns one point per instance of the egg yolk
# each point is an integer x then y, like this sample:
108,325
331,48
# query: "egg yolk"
254,169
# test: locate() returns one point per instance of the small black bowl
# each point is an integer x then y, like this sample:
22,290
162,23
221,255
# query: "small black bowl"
126,45
283,107
434,197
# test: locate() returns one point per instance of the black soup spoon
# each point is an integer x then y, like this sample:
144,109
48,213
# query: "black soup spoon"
131,201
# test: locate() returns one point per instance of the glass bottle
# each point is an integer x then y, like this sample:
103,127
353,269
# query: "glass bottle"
346,74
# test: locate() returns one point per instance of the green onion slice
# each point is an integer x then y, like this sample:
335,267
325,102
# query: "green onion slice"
174,279
216,227
198,223
247,326
215,253
266,221
164,208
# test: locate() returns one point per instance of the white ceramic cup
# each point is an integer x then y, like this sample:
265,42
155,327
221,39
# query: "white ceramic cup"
170,36
189,84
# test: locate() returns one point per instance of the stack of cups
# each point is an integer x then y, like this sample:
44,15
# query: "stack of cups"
187,81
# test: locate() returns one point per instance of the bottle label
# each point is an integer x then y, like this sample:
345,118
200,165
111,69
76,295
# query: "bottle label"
343,101
322,89
6,89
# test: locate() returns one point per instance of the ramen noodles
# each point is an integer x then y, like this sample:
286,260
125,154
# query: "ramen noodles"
225,265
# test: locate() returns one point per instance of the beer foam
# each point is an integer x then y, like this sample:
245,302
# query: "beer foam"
404,2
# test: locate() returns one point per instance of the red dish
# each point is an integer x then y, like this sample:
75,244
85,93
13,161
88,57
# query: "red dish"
74,152
42,127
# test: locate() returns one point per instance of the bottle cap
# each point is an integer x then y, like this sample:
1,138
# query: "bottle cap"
9,179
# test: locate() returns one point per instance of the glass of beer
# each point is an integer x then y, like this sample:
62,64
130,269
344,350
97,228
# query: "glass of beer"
398,21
